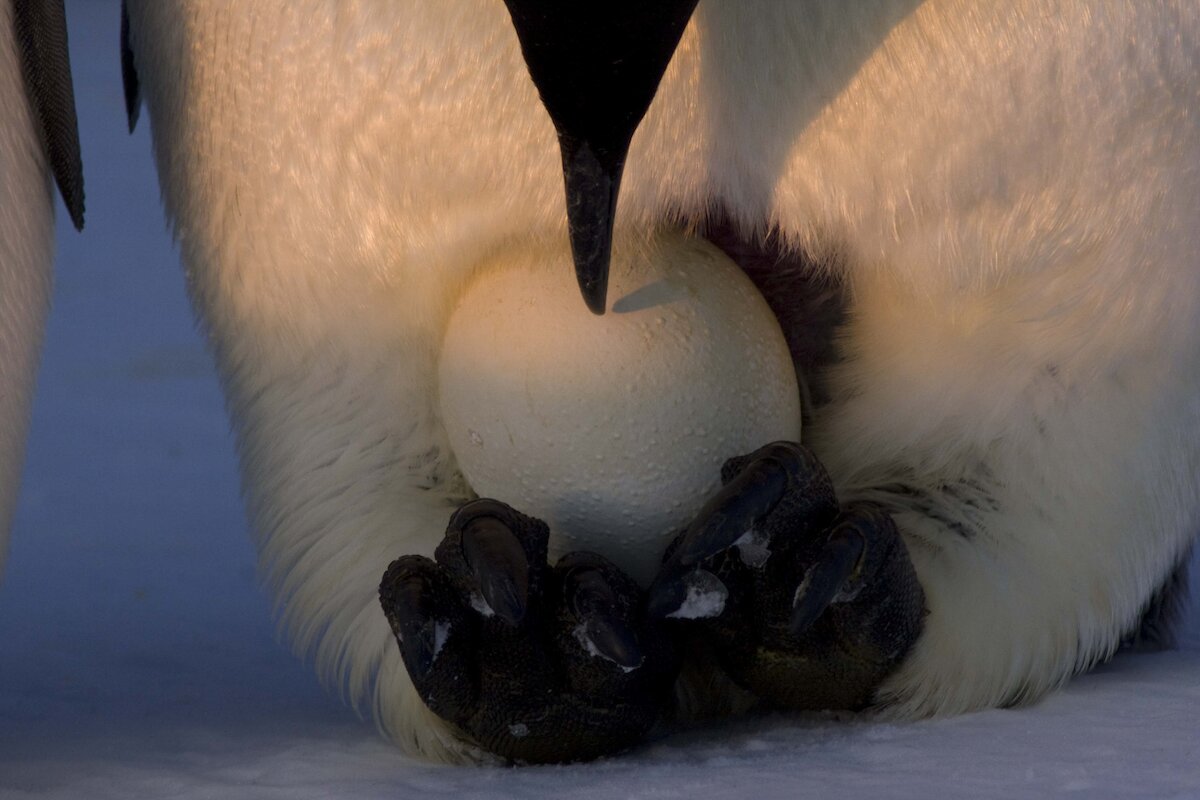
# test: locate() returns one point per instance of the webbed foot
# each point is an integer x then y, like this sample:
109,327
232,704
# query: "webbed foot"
806,605
531,662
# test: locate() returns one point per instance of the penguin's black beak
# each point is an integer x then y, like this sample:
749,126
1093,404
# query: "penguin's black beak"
596,65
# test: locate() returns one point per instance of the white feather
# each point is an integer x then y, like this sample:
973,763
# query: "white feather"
1009,189
26,256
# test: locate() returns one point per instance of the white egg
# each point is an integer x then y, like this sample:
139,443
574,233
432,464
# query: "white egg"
613,428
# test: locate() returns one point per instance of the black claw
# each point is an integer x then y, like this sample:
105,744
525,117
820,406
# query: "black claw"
833,577
753,487
405,594
742,502
615,641
499,565
748,496
595,604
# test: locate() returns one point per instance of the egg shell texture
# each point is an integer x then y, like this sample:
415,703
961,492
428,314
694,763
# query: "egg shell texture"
613,428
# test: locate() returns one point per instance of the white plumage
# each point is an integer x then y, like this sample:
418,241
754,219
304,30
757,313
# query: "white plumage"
26,256
1009,190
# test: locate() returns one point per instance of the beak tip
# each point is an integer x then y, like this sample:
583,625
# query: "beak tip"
595,302
591,272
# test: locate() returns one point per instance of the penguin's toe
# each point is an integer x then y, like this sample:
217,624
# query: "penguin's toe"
531,662
807,605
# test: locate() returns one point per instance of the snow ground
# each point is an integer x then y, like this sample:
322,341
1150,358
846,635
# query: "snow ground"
139,660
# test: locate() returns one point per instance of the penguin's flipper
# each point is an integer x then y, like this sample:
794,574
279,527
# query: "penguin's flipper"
805,605
41,33
129,76
530,662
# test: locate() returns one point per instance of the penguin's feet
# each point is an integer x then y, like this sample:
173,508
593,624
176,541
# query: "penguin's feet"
531,662
806,605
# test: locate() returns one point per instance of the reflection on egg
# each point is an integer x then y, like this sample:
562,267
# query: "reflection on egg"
613,428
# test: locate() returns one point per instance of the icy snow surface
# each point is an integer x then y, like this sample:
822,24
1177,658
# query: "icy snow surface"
137,656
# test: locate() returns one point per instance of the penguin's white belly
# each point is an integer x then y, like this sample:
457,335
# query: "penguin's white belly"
1006,190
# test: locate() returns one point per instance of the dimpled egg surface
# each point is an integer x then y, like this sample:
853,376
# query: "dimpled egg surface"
613,428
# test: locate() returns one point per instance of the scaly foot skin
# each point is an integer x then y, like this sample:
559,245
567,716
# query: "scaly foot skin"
806,605
530,662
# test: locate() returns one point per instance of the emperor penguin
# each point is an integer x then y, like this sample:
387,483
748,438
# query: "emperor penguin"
1003,444
39,144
